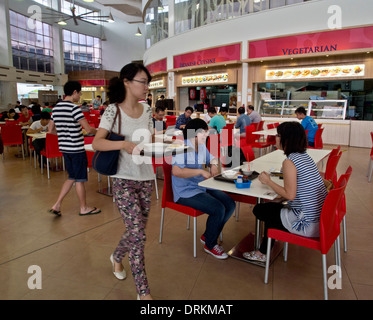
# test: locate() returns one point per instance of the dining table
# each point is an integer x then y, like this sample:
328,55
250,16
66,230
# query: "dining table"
271,163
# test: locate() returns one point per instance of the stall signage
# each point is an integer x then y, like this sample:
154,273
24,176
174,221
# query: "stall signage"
320,42
88,88
94,83
209,56
156,84
206,78
316,72
158,66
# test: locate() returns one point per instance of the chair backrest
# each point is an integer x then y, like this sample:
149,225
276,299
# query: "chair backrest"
86,114
213,145
51,146
11,122
329,221
250,137
11,135
371,151
342,207
248,152
276,124
226,135
331,167
335,151
270,126
168,195
260,125
318,139
319,125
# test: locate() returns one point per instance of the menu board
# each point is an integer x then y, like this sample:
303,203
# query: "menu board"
156,84
208,78
316,72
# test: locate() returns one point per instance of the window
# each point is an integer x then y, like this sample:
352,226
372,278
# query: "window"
31,44
81,52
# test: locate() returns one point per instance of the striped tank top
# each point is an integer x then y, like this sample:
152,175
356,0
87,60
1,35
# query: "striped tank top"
302,215
66,117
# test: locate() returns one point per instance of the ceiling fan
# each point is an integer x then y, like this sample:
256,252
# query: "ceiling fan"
88,16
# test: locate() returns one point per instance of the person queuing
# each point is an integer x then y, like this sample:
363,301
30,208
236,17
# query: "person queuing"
67,122
133,182
303,189
184,118
187,172
308,123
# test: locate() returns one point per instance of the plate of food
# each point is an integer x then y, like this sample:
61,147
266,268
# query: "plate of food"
175,146
157,147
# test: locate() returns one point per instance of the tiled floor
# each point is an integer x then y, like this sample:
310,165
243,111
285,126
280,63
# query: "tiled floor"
73,251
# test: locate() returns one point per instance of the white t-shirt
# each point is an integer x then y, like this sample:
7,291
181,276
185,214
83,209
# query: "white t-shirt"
139,131
37,125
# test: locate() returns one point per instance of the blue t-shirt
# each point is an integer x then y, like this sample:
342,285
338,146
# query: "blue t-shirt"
217,122
188,187
242,121
181,120
310,124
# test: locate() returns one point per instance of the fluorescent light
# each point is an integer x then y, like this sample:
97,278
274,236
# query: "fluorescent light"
62,23
88,0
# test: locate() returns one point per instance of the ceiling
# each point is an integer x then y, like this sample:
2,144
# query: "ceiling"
128,10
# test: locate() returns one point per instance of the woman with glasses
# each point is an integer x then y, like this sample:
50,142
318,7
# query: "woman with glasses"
303,189
132,184
187,172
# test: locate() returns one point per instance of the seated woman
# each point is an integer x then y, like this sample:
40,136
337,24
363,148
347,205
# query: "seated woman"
303,189
187,172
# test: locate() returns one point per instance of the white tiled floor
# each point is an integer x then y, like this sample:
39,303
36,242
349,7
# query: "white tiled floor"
73,251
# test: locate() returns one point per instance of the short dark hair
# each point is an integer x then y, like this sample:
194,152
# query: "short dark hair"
189,108
292,137
223,109
193,127
45,115
71,86
241,110
117,91
301,110
159,108
21,107
211,110
12,111
250,107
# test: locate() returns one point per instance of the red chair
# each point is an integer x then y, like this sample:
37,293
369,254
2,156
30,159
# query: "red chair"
370,167
168,202
226,135
251,140
331,168
12,135
51,151
318,140
170,120
86,115
213,145
342,208
271,139
329,232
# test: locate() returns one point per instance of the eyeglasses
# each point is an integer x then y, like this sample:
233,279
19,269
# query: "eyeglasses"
145,83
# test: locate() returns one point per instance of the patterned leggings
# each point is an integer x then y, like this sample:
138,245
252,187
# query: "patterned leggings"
133,201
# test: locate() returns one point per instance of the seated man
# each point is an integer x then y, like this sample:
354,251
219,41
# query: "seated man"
223,112
158,123
243,120
39,126
25,118
184,118
217,121
308,123
254,115
10,115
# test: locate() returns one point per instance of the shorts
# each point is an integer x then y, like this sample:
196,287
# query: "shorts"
76,166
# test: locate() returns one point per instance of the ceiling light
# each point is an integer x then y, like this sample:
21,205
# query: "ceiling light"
89,0
110,19
62,23
138,33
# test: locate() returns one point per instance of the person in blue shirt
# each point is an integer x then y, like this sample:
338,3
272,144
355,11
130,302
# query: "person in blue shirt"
243,120
217,121
187,172
308,123
184,118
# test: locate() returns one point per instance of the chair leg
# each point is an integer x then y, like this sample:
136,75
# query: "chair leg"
41,164
238,210
369,165
344,234
156,187
48,168
161,230
286,246
268,259
195,237
370,174
23,152
188,223
337,246
325,276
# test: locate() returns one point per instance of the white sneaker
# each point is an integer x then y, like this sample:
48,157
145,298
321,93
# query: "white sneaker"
119,275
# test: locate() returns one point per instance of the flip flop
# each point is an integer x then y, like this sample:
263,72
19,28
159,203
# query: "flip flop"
93,211
57,213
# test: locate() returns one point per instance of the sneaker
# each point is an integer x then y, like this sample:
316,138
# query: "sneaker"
253,256
203,239
217,252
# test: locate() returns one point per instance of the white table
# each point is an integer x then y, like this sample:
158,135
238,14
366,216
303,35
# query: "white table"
267,162
268,132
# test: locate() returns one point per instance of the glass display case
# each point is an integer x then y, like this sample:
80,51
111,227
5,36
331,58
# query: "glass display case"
318,109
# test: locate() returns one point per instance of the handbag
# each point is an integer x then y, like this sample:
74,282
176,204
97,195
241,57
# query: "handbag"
106,162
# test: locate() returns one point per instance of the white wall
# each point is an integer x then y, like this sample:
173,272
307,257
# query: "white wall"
298,18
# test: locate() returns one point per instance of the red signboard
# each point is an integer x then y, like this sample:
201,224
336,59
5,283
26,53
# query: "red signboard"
94,83
209,56
158,66
328,41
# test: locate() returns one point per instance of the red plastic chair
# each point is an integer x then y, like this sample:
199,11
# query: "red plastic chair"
51,151
251,140
331,168
168,202
213,145
12,135
318,139
370,166
329,232
271,139
226,135
170,120
86,115
342,208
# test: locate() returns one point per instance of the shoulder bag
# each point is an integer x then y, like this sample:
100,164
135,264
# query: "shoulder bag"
106,162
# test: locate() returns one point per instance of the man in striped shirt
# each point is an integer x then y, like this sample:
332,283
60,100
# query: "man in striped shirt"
67,122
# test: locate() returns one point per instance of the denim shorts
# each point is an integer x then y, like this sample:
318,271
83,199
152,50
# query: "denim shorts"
76,166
